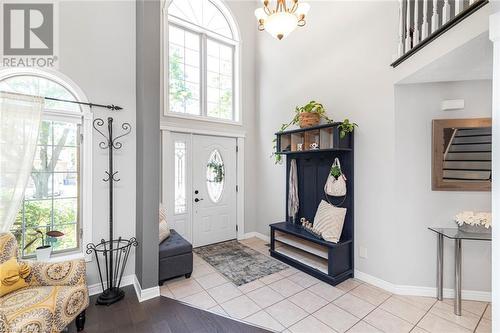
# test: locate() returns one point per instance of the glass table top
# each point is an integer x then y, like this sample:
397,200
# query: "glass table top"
454,233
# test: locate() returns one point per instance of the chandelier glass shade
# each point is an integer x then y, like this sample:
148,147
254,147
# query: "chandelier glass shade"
283,19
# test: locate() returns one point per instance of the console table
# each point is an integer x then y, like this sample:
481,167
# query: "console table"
457,236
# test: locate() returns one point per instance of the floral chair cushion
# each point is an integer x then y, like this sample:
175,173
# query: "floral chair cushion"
66,273
43,309
56,294
8,247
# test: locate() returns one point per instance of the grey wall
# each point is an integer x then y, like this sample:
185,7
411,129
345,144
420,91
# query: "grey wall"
418,206
148,140
341,58
97,52
495,6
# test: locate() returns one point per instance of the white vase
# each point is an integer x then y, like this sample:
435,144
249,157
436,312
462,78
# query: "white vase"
43,253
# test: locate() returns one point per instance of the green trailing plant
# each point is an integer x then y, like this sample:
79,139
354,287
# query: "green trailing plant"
311,107
346,127
335,171
277,157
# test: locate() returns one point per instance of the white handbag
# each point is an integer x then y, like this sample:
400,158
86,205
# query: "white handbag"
336,187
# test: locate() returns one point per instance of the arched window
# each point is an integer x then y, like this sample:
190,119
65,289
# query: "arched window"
203,60
53,196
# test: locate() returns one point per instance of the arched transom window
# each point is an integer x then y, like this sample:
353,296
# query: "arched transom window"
202,60
53,198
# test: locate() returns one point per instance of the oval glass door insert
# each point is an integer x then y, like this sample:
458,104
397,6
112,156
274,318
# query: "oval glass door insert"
215,176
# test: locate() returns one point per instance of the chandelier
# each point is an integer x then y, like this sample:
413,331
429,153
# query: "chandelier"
282,20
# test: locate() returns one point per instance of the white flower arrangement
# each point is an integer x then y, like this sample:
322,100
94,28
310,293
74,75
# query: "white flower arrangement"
471,218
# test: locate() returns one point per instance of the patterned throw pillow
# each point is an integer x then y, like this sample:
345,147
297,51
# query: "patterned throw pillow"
12,275
164,229
163,214
329,221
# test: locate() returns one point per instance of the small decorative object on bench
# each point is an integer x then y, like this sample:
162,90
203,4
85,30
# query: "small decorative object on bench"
308,226
474,222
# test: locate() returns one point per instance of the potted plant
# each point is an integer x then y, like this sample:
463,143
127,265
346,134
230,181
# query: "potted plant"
44,251
307,116
310,114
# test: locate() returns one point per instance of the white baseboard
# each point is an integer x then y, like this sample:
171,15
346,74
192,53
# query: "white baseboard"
473,295
145,294
96,288
142,294
255,234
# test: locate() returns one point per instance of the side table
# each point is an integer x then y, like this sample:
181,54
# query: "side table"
457,236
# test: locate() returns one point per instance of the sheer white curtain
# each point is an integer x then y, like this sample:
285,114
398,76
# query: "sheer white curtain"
20,117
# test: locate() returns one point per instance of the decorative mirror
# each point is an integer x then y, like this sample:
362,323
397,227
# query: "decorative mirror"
461,154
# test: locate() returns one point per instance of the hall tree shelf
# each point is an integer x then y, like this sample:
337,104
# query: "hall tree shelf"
290,243
326,136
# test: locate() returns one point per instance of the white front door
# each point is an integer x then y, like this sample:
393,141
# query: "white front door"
199,186
214,189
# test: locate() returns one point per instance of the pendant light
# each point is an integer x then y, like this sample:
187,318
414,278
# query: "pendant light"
283,19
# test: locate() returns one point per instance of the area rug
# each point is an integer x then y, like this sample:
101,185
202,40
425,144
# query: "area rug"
238,262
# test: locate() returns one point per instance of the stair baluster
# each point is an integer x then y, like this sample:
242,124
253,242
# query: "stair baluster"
401,49
425,24
446,11
422,21
435,16
459,6
416,31
408,27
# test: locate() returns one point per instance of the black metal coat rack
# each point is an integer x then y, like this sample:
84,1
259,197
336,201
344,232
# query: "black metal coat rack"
114,251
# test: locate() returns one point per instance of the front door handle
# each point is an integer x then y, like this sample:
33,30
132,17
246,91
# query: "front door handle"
196,200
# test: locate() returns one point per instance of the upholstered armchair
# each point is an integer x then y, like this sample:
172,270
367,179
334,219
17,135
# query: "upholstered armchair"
56,295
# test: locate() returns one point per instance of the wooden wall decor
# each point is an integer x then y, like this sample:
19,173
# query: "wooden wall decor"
461,154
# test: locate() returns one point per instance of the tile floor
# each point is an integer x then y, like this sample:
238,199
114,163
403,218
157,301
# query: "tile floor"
292,301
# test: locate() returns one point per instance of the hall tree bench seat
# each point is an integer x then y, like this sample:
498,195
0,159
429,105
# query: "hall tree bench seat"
329,262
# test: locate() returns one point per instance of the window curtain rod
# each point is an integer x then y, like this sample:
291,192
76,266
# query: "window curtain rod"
110,107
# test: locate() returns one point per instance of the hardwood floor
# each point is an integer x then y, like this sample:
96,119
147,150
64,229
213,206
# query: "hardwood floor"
156,315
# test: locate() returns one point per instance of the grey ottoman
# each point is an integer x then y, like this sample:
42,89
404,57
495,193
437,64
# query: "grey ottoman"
176,257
